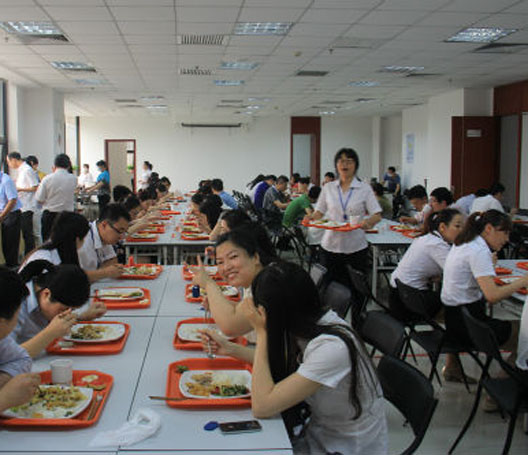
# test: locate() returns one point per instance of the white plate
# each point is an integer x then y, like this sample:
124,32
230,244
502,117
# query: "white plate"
190,332
508,279
23,412
240,377
116,294
139,270
112,332
143,236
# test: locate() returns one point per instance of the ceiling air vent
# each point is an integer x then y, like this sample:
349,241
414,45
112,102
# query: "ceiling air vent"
231,106
196,71
201,40
309,73
231,101
418,75
133,106
356,43
501,48
365,100
125,100
336,103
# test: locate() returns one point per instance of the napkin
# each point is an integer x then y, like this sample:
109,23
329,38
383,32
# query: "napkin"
143,424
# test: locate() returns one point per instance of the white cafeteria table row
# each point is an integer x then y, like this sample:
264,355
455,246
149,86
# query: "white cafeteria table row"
141,370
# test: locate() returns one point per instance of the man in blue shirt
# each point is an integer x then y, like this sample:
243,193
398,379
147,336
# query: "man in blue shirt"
262,187
10,219
102,185
392,180
218,188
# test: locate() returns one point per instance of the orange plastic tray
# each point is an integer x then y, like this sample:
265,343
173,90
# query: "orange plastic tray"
503,271
112,347
195,238
371,231
170,212
522,291
165,218
151,240
127,304
195,345
398,228
188,276
153,230
350,227
188,290
159,269
64,424
522,265
190,223
411,234
173,384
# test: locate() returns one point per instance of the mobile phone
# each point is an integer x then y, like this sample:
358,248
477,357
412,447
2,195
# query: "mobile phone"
244,426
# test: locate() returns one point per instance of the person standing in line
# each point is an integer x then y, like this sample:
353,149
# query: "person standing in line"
392,180
85,180
102,185
33,162
9,219
26,185
56,193
143,181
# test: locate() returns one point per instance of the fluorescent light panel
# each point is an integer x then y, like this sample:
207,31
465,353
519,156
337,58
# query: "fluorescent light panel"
402,69
90,81
72,66
363,84
326,112
228,83
262,28
480,35
31,28
243,66
148,99
258,99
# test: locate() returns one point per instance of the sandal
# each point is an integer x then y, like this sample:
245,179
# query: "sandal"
455,375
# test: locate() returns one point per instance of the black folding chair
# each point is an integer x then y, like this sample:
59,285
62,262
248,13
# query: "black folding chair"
383,332
411,393
510,393
337,297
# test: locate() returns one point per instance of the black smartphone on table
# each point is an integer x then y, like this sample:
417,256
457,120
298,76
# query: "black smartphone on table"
244,426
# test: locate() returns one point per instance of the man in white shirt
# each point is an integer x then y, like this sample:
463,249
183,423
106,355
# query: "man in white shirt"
56,193
97,256
490,201
86,179
26,185
417,196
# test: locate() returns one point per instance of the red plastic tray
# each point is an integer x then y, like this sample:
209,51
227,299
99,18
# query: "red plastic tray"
499,281
173,383
170,212
134,240
111,347
522,265
188,276
350,227
195,238
127,304
64,424
195,345
188,291
153,230
503,271
159,269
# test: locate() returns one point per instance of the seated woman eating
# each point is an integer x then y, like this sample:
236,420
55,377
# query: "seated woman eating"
240,255
307,353
46,313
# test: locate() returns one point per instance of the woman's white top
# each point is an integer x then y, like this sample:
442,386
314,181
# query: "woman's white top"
332,203
332,428
423,260
421,215
522,348
86,180
143,181
485,203
48,255
464,264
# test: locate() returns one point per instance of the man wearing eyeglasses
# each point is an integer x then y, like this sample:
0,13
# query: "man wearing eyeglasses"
97,255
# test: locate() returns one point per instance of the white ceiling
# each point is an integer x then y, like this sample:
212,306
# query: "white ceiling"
133,46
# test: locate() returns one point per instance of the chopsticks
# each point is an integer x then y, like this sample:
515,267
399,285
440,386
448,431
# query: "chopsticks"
95,406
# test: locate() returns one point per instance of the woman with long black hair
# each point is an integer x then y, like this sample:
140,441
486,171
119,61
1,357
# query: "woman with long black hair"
46,313
307,353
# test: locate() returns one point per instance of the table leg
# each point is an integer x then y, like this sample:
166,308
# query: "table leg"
164,250
374,270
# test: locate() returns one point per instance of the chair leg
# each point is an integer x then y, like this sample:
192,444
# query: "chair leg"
509,436
469,420
464,377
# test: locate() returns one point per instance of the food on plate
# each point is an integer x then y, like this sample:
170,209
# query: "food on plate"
182,368
120,294
137,235
88,332
217,384
191,229
193,332
140,270
195,235
51,402
89,378
228,291
402,227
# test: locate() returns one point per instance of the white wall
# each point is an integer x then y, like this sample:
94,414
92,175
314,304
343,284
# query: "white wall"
354,132
415,121
391,143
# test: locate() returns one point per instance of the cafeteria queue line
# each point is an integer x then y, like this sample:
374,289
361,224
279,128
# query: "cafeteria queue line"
268,342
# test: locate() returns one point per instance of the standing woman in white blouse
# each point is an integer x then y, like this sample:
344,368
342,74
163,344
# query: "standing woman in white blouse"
145,175
341,200
469,274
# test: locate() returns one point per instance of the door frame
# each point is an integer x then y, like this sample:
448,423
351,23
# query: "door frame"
312,126
106,143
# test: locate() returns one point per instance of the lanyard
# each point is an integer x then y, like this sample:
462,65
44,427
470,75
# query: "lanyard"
99,262
344,205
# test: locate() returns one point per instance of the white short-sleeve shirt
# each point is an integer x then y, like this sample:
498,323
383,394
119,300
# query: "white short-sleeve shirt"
485,203
332,427
94,252
48,255
362,202
464,264
421,215
423,260
27,178
522,349
56,192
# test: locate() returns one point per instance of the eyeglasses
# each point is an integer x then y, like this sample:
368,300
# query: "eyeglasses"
346,161
117,231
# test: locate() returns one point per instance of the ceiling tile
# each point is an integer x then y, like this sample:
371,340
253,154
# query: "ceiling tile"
374,32
80,3
393,17
332,16
251,14
23,13
89,27
135,13
306,29
150,39
419,5
491,6
147,28
446,18
62,13
204,28
206,14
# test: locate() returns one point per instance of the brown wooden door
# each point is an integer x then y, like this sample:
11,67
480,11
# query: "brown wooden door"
474,154
308,126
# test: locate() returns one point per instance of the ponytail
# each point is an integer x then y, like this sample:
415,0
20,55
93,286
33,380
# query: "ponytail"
67,283
476,223
433,221
14,291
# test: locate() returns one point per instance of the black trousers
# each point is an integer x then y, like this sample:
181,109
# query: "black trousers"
26,224
103,200
335,264
11,238
46,224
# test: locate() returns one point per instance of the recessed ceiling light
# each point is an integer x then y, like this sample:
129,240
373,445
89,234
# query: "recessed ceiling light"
402,69
311,73
157,106
244,66
326,112
148,99
480,35
73,66
31,27
262,28
365,100
257,99
90,81
254,107
228,83
363,83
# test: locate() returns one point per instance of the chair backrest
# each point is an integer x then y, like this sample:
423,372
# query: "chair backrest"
413,299
382,331
482,336
359,281
317,272
337,297
411,393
